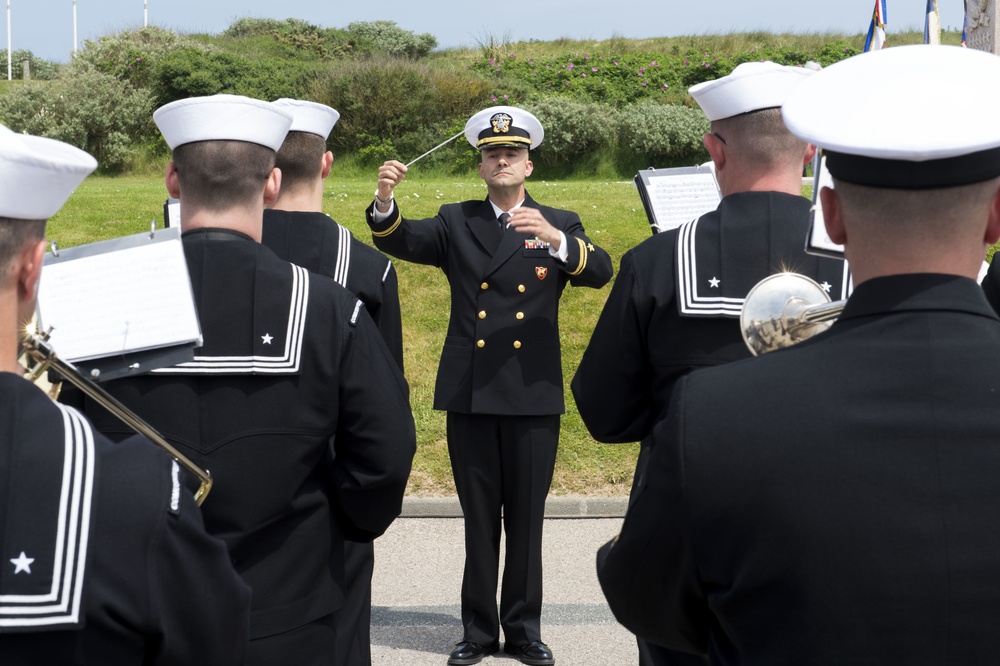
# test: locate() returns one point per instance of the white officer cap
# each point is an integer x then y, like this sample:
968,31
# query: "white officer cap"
750,87
504,126
907,117
310,117
37,175
222,118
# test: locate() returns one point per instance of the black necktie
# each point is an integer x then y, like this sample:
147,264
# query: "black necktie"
504,217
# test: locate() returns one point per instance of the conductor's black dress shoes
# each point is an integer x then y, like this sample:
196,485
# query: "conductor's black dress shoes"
535,653
467,652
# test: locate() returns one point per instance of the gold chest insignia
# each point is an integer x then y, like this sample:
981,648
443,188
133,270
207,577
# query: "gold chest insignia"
541,272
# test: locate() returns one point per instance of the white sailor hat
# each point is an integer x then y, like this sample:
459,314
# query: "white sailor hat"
750,87
907,117
37,175
222,118
310,117
504,126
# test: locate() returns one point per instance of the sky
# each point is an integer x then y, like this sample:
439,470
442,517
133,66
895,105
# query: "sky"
45,27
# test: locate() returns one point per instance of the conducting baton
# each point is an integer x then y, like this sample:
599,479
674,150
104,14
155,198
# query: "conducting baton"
436,147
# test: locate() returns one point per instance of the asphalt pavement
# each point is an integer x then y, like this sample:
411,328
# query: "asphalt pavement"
416,618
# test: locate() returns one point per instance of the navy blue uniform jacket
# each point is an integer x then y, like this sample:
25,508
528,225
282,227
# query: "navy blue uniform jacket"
501,354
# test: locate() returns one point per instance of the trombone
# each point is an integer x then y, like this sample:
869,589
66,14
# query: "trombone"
42,357
783,309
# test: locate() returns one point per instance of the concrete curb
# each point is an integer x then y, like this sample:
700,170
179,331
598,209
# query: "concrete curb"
555,507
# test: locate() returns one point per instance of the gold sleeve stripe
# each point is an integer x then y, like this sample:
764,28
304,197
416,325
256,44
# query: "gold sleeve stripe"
583,258
395,224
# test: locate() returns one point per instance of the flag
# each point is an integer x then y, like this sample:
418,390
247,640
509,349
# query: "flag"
932,25
876,31
965,24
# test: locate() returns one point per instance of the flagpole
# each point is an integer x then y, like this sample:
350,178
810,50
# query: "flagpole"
74,27
935,24
145,13
10,71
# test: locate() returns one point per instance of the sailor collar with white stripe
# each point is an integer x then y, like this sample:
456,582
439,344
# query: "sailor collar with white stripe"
715,271
280,307
43,565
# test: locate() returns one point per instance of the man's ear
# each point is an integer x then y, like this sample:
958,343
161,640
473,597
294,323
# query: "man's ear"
30,270
833,215
993,225
327,164
172,182
716,150
810,154
272,186
528,168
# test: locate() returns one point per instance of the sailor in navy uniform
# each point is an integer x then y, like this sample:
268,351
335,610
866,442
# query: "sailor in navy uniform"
507,259
297,230
104,558
836,502
676,302
293,402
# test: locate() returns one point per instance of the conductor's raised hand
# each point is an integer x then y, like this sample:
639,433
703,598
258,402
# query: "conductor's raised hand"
390,174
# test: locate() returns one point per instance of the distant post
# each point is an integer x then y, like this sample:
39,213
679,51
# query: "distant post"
10,68
983,34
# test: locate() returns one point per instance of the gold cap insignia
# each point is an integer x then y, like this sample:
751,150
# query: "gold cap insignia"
501,123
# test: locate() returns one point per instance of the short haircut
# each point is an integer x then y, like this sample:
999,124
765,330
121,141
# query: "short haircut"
219,175
760,137
14,235
931,213
300,159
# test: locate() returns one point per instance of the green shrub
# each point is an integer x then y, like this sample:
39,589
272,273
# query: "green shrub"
397,108
91,110
615,80
195,71
129,56
293,38
670,135
387,38
572,129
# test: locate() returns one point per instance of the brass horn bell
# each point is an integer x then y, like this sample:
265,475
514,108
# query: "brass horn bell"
783,309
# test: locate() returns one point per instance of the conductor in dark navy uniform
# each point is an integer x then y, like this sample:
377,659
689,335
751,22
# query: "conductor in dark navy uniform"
676,301
104,558
297,230
836,502
293,401
507,259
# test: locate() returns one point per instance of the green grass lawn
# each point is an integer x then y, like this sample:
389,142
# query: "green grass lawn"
105,207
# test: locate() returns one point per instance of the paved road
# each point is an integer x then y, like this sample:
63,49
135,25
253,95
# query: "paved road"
415,594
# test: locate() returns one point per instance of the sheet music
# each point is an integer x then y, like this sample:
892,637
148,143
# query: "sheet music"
677,195
130,299
680,198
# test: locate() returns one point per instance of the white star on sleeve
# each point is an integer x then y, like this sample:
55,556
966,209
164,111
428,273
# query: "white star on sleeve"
714,283
22,563
266,338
